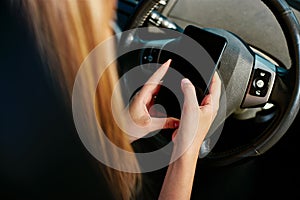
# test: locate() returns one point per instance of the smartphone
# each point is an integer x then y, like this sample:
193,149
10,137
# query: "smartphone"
195,55
212,43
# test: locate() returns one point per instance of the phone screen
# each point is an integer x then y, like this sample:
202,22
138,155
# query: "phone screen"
212,43
196,56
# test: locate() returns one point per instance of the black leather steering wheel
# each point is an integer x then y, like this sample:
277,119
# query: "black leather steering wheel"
251,80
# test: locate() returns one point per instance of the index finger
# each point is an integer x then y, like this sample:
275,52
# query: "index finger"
151,86
160,73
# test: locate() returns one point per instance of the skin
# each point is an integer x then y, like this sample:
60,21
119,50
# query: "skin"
179,178
140,119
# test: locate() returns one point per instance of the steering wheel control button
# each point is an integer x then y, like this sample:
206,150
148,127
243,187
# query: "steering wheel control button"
149,58
150,55
262,74
260,84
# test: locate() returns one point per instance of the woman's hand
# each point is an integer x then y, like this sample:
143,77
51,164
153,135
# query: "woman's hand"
196,120
194,125
141,119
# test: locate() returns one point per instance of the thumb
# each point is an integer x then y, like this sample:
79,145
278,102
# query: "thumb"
190,98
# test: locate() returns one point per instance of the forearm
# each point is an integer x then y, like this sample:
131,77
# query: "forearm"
179,178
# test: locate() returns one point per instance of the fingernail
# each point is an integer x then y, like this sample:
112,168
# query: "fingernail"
176,124
185,81
168,62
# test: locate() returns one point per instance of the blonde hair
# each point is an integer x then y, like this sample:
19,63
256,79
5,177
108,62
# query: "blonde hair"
66,31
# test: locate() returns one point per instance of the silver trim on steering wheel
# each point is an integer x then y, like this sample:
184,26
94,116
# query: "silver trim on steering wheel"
261,83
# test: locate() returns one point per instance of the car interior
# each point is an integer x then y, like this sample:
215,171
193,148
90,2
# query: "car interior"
255,46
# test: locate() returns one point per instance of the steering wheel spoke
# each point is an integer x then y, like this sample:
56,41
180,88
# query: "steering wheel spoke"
261,83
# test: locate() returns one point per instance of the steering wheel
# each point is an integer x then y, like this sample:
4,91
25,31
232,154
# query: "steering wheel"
262,94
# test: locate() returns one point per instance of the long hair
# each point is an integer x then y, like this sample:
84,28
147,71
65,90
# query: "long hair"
66,31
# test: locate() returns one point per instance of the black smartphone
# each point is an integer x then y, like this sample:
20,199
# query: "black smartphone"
212,47
195,55
211,42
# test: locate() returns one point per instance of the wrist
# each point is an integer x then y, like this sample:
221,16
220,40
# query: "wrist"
189,154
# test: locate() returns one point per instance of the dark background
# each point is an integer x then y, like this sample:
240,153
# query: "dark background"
41,156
